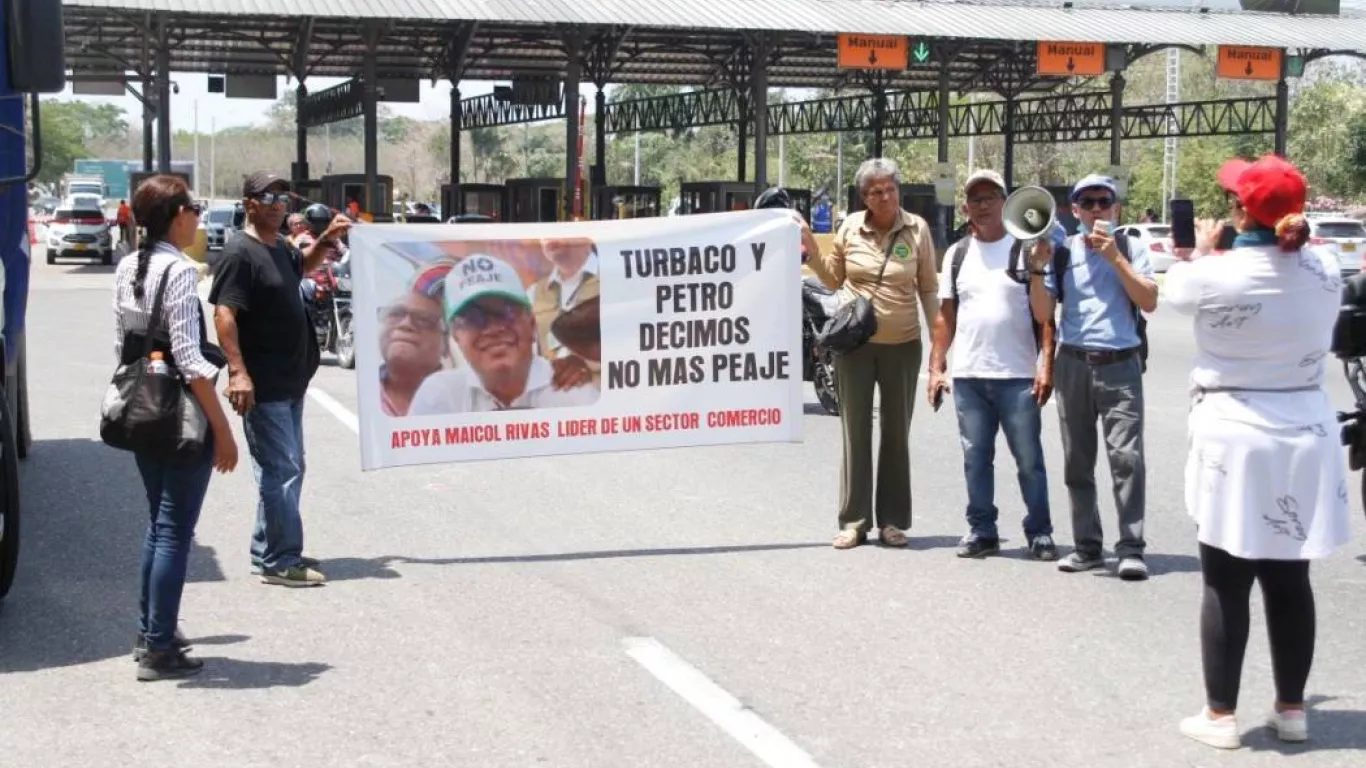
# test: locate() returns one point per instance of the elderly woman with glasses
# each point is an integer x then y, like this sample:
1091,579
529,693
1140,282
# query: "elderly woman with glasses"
412,339
885,255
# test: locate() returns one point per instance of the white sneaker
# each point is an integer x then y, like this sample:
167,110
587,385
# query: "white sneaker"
1220,732
1290,725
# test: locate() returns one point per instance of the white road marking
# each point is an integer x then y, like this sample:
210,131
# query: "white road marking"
335,408
720,707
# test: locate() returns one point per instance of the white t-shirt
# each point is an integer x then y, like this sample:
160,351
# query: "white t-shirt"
995,336
459,390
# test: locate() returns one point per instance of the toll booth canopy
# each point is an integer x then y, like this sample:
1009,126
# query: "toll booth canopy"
531,200
488,200
625,202
715,196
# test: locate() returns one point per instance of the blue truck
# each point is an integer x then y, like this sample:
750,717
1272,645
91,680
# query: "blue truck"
31,62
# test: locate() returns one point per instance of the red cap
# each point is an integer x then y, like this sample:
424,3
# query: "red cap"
1268,189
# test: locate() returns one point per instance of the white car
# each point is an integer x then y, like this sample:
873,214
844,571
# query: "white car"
1344,238
79,229
1158,239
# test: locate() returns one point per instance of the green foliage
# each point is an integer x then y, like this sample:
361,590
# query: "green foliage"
68,128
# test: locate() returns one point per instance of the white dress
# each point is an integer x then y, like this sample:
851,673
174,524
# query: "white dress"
1266,475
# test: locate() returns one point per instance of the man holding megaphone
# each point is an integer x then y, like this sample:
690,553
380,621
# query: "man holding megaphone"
1103,283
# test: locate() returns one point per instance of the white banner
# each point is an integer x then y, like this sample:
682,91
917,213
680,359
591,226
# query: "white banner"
491,341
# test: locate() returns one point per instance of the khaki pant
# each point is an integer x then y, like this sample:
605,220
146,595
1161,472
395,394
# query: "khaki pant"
895,371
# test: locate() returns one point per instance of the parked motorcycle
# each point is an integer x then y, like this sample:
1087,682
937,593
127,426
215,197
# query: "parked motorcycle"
1349,346
329,304
818,365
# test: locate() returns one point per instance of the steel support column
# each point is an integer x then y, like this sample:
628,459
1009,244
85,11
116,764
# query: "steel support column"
457,117
599,176
370,106
941,238
1282,114
1008,127
300,136
879,119
758,81
1116,118
572,75
743,131
163,88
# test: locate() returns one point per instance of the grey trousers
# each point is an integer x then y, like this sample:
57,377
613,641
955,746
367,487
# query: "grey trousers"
894,370
1112,393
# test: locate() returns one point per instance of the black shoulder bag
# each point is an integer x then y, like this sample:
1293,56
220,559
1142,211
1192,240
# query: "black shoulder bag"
151,412
855,322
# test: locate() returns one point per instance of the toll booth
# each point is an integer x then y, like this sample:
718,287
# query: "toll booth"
625,202
920,200
801,201
536,199
310,189
339,190
1062,196
715,196
488,200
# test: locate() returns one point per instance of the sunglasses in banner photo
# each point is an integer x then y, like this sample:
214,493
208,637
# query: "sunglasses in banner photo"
488,325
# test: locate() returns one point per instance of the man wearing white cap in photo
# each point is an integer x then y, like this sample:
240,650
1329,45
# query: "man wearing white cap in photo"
1002,367
491,322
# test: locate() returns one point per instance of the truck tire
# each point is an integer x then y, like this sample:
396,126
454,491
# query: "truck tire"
9,500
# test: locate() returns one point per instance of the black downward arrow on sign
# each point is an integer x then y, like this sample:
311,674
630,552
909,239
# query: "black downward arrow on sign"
1071,65
872,57
1248,70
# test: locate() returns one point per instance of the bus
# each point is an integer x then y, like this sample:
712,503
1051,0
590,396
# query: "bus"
32,62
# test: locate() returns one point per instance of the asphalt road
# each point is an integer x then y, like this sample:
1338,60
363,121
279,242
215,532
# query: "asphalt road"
673,608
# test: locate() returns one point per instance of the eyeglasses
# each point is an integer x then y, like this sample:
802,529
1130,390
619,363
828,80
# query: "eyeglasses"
1089,203
192,206
272,198
881,192
983,200
478,317
423,321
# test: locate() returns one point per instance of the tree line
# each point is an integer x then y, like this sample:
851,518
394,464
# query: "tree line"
1327,139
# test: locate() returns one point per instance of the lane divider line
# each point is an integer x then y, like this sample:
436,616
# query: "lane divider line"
723,709
330,404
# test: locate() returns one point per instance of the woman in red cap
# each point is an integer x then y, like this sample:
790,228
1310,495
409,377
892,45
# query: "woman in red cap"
1266,481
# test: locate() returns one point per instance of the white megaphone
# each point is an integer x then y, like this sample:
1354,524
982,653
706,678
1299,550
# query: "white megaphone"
1030,213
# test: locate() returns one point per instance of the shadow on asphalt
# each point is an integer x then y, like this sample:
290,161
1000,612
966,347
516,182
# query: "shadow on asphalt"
596,555
1341,729
234,674
75,597
815,409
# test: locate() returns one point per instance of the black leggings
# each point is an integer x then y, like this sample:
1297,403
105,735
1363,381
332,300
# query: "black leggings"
1224,619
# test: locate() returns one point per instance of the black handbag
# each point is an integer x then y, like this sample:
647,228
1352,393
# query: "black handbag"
855,322
152,412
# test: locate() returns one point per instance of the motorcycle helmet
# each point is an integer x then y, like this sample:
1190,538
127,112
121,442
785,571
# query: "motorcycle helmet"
773,197
317,216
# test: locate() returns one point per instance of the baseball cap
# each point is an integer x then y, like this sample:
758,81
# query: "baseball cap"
1268,189
987,175
260,182
1094,181
480,275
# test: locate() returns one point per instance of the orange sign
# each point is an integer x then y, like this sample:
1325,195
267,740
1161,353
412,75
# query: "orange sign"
1240,62
1068,59
872,52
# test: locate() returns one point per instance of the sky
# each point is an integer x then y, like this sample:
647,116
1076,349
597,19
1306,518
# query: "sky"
218,111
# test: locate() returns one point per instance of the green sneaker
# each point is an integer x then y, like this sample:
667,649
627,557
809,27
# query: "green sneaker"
298,576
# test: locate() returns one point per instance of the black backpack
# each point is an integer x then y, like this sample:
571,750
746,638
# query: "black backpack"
1015,270
1062,259
1349,332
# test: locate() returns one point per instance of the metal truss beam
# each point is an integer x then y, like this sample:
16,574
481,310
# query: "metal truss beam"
332,105
487,111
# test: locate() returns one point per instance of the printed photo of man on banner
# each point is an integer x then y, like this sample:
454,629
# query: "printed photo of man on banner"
576,337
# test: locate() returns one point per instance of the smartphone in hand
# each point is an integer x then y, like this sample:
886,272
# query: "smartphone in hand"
938,398
1183,224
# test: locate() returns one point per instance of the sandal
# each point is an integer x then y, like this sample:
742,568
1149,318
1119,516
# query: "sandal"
849,539
891,536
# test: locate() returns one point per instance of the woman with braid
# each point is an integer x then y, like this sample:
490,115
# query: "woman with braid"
175,491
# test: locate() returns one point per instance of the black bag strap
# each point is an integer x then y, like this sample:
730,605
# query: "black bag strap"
154,322
960,251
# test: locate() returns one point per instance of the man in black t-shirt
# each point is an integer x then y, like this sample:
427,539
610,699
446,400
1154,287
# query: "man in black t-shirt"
264,328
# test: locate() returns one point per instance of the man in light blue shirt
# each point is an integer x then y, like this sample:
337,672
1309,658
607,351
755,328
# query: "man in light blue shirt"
1102,282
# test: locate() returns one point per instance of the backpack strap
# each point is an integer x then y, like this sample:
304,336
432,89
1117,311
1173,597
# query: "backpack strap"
958,251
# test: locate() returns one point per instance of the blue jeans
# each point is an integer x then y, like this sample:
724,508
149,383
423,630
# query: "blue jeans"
275,437
175,495
983,405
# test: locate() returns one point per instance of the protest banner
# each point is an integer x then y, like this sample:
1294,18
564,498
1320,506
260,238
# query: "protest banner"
491,341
